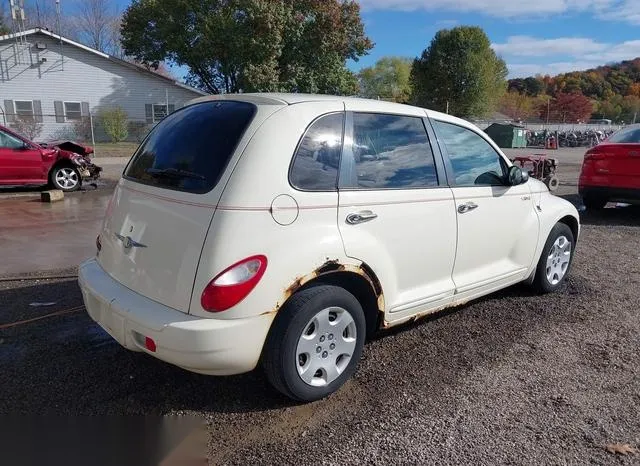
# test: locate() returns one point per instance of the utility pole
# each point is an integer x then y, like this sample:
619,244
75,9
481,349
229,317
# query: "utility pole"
166,98
548,103
447,107
59,32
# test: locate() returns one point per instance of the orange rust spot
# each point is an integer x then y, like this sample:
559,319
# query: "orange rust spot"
420,315
332,266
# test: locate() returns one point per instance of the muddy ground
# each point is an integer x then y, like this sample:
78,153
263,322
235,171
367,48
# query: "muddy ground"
513,378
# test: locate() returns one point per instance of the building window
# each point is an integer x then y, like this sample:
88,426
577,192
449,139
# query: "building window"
24,109
159,112
72,111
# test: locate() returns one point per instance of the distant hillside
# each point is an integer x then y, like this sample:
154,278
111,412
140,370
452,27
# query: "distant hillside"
613,89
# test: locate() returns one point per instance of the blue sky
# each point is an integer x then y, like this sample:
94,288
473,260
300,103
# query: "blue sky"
533,36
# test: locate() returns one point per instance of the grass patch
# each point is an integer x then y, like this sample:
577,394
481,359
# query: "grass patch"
118,149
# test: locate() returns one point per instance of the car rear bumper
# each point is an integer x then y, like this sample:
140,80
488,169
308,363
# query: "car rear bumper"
207,346
610,193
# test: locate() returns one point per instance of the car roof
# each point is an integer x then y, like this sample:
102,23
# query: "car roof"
281,98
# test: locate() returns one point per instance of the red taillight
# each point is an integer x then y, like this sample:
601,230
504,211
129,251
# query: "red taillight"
594,155
150,344
233,284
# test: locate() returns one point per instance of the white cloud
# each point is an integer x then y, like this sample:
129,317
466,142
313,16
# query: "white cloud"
614,10
570,53
617,52
522,70
499,8
622,10
526,46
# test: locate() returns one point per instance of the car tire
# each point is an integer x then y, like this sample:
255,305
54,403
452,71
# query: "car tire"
305,323
65,178
594,203
552,182
556,259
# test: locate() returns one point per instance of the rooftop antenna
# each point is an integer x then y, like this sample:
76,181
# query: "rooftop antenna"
17,24
21,19
14,19
59,31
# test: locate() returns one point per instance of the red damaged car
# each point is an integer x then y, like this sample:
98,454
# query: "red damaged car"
62,164
611,170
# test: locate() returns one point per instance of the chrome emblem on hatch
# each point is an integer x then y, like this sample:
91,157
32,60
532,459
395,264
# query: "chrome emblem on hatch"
128,242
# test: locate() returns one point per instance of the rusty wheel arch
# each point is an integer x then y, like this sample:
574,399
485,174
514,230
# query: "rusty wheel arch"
360,280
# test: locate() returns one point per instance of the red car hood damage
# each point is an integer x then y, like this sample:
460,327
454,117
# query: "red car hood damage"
78,154
68,146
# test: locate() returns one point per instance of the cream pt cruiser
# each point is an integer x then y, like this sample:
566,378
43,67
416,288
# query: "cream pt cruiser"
282,230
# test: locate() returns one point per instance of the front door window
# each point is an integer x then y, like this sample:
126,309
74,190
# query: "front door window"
473,161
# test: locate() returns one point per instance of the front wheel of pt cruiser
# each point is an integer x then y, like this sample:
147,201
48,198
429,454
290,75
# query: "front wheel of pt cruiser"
315,343
555,261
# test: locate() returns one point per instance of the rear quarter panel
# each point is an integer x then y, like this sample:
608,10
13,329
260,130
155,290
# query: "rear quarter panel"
244,223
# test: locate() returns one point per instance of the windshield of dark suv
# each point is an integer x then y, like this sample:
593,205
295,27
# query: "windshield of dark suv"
189,149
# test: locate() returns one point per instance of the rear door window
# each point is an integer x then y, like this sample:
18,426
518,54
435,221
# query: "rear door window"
189,149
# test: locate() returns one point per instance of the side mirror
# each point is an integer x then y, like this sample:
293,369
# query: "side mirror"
517,176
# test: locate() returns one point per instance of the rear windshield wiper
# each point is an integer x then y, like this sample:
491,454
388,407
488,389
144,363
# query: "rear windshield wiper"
174,173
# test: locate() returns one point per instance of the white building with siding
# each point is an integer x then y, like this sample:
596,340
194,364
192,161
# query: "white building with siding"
58,83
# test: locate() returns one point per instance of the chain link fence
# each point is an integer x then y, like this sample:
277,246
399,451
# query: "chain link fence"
551,125
115,126
89,129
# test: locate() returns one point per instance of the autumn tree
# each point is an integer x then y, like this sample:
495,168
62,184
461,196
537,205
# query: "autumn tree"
518,106
630,108
460,70
634,89
567,108
388,79
94,24
251,45
610,109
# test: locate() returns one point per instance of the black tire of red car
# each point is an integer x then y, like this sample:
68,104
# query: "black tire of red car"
594,203
65,178
280,361
541,282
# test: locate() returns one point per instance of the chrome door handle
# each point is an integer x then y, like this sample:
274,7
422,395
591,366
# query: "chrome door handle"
360,217
466,207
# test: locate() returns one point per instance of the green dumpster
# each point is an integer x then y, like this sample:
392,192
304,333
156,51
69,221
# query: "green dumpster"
507,135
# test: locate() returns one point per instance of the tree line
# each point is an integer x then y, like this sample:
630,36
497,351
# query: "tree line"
304,46
607,92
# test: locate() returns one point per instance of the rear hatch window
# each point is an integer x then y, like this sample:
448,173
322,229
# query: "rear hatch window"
189,149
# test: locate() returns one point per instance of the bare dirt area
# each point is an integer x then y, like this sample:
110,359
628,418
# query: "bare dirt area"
514,378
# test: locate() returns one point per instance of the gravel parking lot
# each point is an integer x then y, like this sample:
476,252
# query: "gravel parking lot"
513,378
